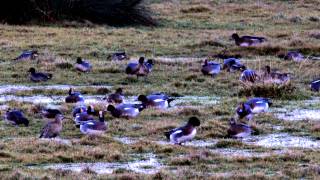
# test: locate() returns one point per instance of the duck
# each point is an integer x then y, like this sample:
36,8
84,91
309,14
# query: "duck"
275,77
141,68
248,75
238,130
92,111
83,65
94,127
116,97
119,56
210,68
259,105
159,101
232,65
184,133
244,111
293,56
315,85
74,97
245,41
39,76
53,128
16,117
27,55
78,109
50,113
125,110
83,116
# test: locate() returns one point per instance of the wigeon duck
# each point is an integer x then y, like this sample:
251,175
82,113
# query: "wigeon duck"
210,68
245,41
39,76
94,127
16,117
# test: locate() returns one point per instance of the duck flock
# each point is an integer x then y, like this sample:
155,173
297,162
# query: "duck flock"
91,121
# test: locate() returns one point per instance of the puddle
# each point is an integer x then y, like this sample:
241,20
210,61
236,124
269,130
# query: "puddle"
126,140
149,165
41,99
232,152
299,114
14,88
283,140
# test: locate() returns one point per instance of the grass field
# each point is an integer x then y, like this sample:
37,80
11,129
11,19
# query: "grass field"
193,29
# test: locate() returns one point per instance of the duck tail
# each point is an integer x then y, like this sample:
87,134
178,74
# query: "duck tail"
49,76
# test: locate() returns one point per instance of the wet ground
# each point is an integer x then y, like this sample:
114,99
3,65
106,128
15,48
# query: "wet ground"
148,165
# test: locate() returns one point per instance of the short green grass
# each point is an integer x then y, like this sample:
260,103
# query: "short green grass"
197,28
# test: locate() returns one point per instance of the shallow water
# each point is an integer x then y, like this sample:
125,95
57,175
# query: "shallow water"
233,152
299,114
283,140
150,165
14,88
41,99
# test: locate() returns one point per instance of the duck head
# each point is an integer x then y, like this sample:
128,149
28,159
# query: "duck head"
206,62
235,36
194,121
34,53
141,60
32,70
70,91
119,91
143,98
150,61
79,60
267,69
90,109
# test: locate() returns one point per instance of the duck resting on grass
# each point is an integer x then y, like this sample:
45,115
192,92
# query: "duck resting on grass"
156,100
74,96
184,133
39,76
16,117
245,41
238,130
27,55
83,65
141,68
253,106
275,77
248,75
210,68
116,97
125,110
94,127
232,65
118,56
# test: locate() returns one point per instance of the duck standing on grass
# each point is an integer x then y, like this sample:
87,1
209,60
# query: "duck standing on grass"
245,41
184,133
16,117
39,76
210,68
238,130
53,128
94,127
83,65
27,55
